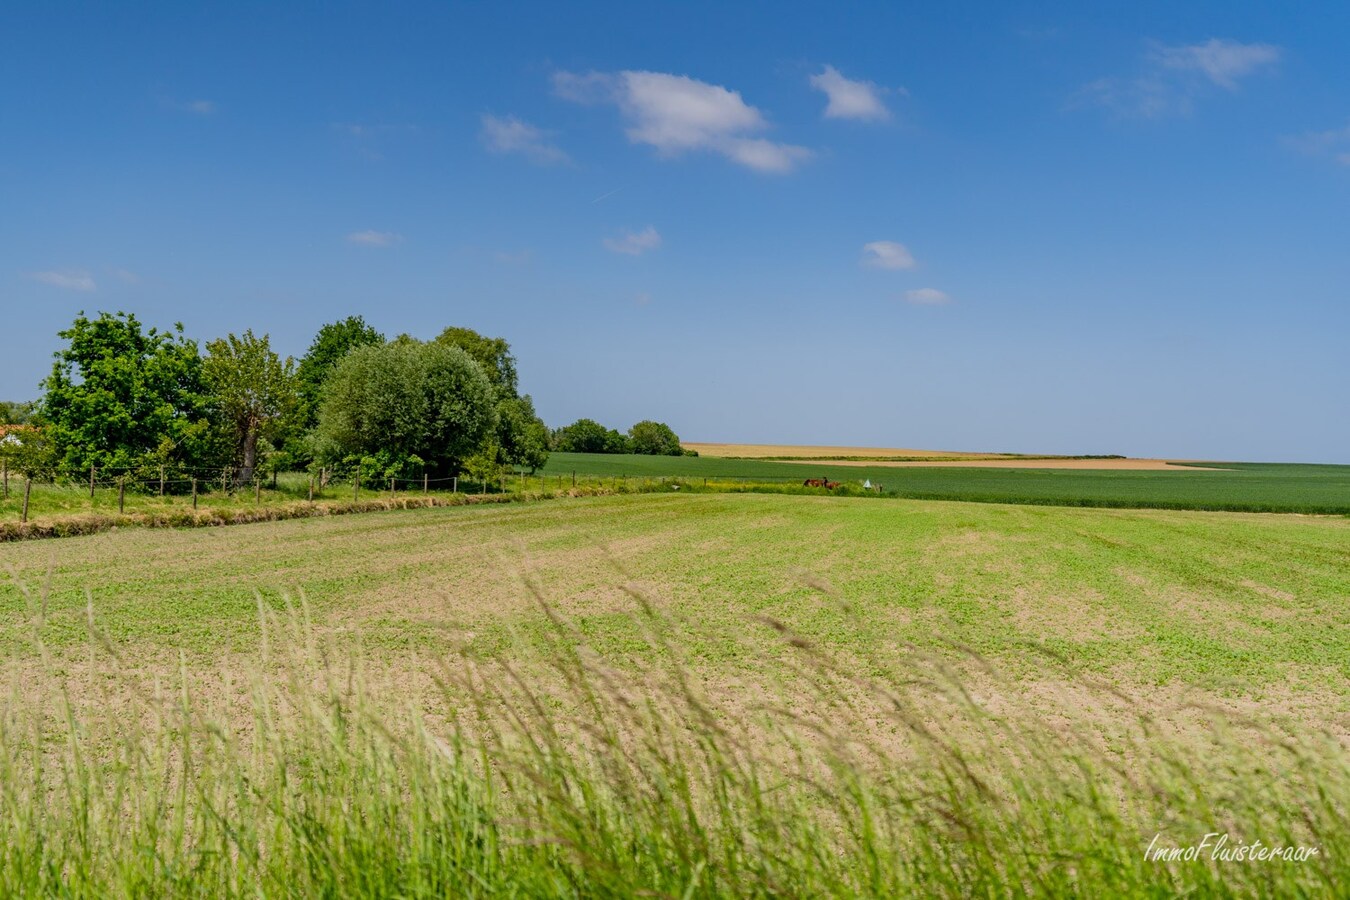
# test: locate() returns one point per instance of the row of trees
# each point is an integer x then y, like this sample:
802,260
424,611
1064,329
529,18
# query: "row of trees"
646,437
127,398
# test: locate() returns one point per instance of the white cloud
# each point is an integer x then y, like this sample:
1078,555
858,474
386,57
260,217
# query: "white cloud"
1334,143
887,255
634,244
196,107
927,297
511,135
70,280
1174,77
677,114
850,99
1221,61
372,238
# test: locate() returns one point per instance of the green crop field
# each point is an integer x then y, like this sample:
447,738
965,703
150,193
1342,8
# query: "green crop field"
688,670
1254,487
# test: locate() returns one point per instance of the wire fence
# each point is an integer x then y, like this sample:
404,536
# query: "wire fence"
102,488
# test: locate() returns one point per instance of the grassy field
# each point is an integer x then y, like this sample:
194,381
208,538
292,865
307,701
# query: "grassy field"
1253,487
694,694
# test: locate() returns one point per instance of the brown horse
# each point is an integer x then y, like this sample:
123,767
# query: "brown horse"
815,482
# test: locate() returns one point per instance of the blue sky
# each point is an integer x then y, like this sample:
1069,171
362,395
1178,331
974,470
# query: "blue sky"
985,227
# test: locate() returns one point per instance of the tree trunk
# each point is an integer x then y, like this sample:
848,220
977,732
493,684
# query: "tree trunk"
250,456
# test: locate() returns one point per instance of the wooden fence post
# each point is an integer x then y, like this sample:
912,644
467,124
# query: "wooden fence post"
91,481
392,487
194,492
311,489
257,491
425,484
121,494
161,481
454,484
27,489
574,478
4,465
356,486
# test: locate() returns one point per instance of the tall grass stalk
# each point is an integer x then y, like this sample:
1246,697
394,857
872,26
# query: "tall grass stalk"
567,777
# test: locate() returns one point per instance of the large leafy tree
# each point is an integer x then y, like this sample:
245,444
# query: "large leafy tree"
254,392
521,438
121,396
654,438
492,354
334,341
407,404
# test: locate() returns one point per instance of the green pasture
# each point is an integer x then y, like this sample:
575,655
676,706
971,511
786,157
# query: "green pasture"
1253,487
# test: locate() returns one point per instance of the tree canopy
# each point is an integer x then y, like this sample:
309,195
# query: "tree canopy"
334,341
405,405
121,396
492,354
589,436
654,438
254,391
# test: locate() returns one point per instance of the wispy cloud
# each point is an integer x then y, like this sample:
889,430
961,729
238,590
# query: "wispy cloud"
125,276
511,135
677,114
195,107
887,255
1221,61
374,238
1173,77
70,280
370,140
1334,143
850,99
927,297
634,244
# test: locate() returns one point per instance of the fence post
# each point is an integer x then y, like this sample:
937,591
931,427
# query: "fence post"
161,481
257,491
91,481
121,494
356,486
274,478
425,483
311,489
454,484
194,492
391,487
574,478
27,489
4,465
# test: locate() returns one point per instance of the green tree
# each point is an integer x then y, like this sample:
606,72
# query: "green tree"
12,413
408,403
589,436
334,341
492,354
654,438
120,396
522,437
253,391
